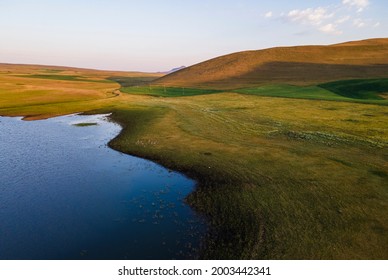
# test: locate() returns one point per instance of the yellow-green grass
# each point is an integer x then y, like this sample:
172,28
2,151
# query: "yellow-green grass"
334,91
27,89
64,78
130,81
278,178
167,91
369,91
22,95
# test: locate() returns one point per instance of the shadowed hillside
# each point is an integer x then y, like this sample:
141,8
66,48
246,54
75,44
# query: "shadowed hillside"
294,65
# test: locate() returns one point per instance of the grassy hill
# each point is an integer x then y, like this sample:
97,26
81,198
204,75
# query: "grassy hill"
301,65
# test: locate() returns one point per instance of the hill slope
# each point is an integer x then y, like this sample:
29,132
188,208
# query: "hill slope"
293,65
19,69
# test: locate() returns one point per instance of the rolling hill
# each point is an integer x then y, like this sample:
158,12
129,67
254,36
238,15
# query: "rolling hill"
50,70
300,65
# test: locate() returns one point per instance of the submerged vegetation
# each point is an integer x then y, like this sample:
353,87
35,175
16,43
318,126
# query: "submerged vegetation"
301,177
167,91
85,124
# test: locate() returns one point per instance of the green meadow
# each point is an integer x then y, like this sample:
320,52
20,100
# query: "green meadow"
365,89
65,78
369,91
282,171
360,91
279,178
167,91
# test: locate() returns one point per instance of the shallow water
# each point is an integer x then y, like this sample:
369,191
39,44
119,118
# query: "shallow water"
65,195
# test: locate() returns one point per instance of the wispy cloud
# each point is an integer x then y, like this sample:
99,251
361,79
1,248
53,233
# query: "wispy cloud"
309,16
317,17
331,19
359,23
343,19
330,29
268,14
360,5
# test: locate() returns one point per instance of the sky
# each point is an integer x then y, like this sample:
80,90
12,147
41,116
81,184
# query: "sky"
158,35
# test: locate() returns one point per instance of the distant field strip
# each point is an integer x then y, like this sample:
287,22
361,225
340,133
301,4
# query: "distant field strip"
63,78
328,92
167,91
132,81
369,89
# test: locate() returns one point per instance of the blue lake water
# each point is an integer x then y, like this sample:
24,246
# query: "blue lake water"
65,195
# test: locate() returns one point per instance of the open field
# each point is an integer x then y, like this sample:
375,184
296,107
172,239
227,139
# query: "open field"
278,178
26,89
369,91
167,91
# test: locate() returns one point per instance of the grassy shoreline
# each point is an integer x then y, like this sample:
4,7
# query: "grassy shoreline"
278,178
245,218
244,213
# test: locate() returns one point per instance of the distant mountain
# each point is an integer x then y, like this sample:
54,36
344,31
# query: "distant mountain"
175,69
291,65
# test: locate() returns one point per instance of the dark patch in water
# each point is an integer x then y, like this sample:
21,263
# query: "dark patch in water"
85,124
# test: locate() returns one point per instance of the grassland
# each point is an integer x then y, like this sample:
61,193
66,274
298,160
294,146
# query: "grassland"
65,78
369,91
278,178
167,91
37,91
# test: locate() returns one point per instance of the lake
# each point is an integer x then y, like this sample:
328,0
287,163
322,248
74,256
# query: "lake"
64,194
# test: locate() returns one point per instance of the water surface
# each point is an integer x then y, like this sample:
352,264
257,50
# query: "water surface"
65,195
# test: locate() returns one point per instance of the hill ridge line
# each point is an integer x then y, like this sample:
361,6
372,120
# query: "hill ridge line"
353,59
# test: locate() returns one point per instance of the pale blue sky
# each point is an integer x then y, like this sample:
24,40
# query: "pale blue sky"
151,35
